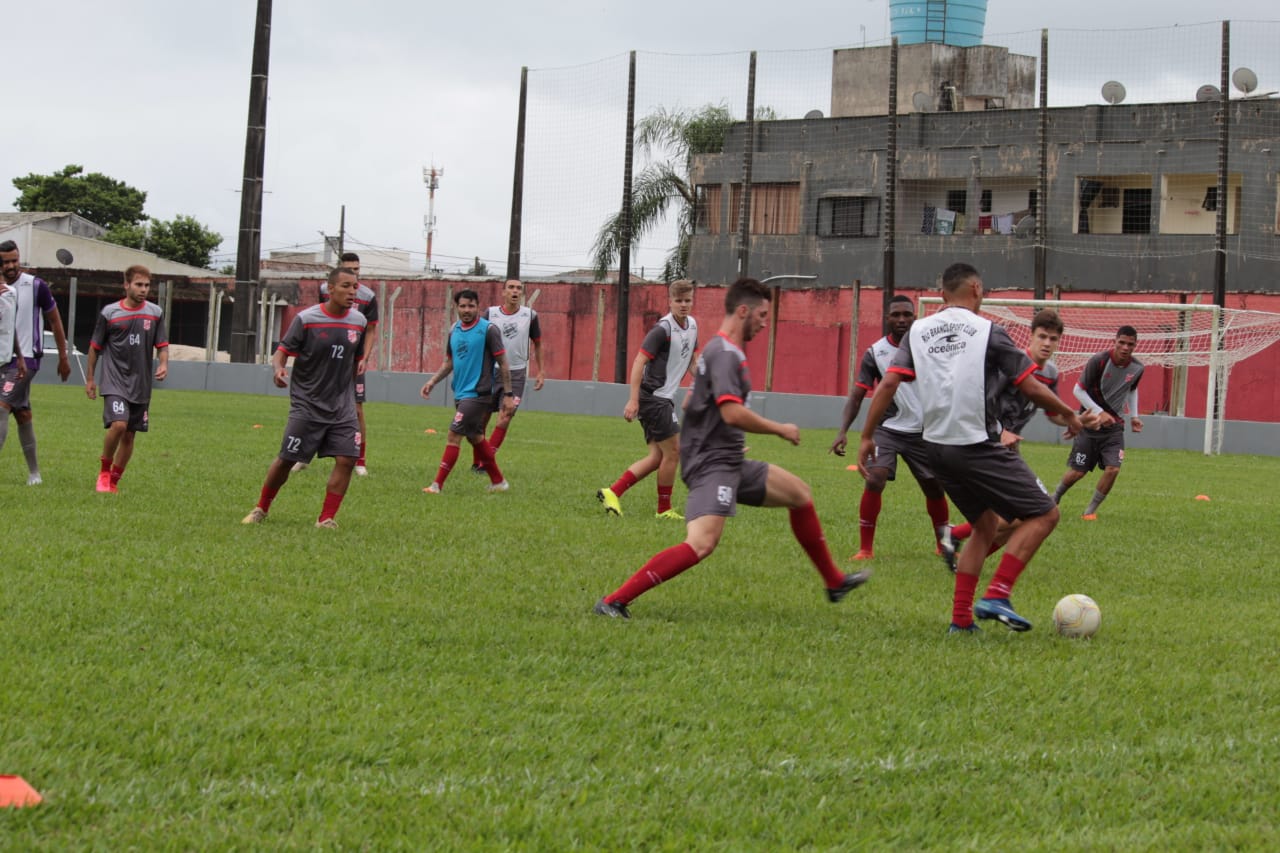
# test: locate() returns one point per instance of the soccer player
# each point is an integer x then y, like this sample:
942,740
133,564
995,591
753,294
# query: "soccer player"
1107,388
956,357
128,334
899,435
33,309
665,356
715,470
519,327
323,340
474,348
1015,413
367,304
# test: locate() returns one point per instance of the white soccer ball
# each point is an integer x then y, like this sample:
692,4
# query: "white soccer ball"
1077,616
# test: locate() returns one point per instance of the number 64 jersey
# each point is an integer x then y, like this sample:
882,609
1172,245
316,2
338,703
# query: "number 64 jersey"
128,338
324,349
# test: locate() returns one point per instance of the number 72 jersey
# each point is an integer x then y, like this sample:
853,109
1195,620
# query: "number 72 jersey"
324,349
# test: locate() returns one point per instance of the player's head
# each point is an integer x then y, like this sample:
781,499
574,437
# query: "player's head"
961,283
680,298
902,313
350,261
1046,333
1126,342
747,301
9,261
342,287
511,293
137,284
468,304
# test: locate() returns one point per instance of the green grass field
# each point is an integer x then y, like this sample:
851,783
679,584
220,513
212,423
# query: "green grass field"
431,676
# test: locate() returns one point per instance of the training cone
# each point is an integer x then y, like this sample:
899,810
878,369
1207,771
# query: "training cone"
851,468
429,431
16,793
1202,497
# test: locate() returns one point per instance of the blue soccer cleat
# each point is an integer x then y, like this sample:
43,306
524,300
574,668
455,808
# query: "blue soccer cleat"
1001,609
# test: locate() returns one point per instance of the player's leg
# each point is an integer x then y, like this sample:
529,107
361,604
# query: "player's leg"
635,472
124,452
1110,449
670,449
4,423
115,420
360,468
477,467
876,478
1101,490
488,462
702,535
335,490
1080,461
27,438
772,486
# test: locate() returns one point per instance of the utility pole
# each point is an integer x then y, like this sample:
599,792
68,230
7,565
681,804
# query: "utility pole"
431,177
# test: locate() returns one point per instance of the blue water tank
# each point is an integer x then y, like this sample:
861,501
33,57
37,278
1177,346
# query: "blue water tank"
955,22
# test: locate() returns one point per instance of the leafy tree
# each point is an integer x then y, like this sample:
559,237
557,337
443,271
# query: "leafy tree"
94,196
182,239
682,134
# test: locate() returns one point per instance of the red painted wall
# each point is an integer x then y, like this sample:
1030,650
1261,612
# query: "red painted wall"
811,332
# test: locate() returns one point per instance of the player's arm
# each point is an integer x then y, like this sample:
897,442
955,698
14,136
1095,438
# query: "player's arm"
91,387
279,374
508,403
880,402
163,369
446,367
632,408
1132,404
538,377
851,408
55,323
1039,393
737,415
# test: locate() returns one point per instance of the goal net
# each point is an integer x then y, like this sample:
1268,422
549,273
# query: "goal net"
1175,336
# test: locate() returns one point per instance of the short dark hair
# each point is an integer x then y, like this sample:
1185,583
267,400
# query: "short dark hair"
339,271
8,246
956,275
1048,319
349,256
902,297
744,291
466,294
136,270
1127,331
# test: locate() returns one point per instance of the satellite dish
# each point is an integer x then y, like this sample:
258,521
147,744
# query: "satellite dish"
1025,228
922,102
1244,79
1113,92
64,257
814,114
1208,92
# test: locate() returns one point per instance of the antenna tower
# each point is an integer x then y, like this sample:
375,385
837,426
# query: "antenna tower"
431,177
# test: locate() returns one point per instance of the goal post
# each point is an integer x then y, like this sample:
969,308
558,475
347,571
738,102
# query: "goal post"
1173,335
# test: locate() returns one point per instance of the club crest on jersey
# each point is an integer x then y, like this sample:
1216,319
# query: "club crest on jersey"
353,335
146,325
8,387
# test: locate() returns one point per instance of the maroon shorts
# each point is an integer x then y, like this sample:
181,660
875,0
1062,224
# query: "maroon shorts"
1094,447
305,438
116,409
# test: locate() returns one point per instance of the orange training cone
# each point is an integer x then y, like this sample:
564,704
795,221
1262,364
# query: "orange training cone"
16,793
1202,497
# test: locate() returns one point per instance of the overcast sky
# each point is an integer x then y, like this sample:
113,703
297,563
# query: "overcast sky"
364,95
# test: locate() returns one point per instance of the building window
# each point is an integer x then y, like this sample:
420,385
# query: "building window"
984,203
1136,217
775,208
957,200
849,216
706,202
1033,197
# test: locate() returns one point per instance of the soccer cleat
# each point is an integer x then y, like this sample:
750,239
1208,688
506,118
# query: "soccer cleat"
610,501
477,469
327,524
104,482
971,628
851,582
498,487
1001,609
672,514
433,489
256,516
362,471
34,480
1092,516
300,466
948,548
864,554
617,610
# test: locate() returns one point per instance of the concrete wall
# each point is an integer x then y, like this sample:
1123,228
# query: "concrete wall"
807,411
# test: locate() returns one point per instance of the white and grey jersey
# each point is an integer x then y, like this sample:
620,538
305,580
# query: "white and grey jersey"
903,414
1110,385
518,331
955,358
8,320
670,349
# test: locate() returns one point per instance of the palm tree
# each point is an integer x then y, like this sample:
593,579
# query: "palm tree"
681,134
